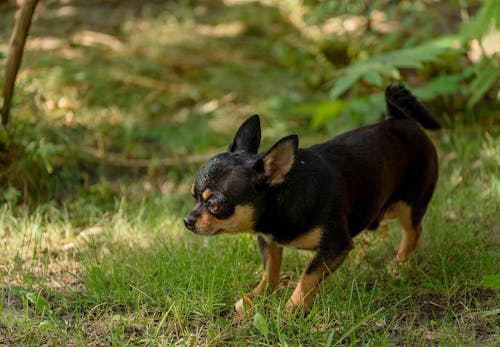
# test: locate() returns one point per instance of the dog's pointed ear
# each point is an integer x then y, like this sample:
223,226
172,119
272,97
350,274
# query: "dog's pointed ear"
247,137
277,162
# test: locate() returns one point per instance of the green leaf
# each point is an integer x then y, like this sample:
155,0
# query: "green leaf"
439,86
47,324
491,281
326,112
374,78
260,323
371,106
487,17
12,195
37,300
388,64
415,57
329,341
321,112
366,69
343,84
41,304
482,84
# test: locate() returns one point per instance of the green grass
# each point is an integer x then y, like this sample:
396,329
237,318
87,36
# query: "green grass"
95,253
138,277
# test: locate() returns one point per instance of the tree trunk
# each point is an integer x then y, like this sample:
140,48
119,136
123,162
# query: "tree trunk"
15,54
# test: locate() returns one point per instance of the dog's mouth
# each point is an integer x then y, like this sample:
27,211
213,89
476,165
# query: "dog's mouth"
206,233
218,231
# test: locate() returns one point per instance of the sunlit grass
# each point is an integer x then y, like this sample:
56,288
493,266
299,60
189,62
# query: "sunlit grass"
134,275
95,253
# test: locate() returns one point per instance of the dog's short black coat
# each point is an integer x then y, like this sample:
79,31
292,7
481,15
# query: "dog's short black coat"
321,197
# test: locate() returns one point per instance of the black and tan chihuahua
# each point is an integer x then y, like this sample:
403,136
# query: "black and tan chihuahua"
319,198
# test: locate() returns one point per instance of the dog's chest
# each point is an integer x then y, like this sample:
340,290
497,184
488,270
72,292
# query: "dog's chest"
310,240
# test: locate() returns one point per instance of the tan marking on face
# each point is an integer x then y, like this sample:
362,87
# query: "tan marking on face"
206,194
309,240
213,208
409,234
192,190
205,223
240,221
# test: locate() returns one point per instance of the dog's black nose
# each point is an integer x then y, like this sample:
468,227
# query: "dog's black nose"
189,222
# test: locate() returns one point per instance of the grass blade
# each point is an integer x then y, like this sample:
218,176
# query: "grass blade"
162,321
363,321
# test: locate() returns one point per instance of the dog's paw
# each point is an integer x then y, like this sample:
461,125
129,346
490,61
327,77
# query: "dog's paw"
293,309
244,306
290,310
397,268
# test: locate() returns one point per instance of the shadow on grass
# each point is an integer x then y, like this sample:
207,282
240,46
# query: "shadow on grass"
134,80
157,80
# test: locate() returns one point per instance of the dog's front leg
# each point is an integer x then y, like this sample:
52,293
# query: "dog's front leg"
271,255
328,258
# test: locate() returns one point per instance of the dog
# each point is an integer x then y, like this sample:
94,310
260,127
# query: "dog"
319,198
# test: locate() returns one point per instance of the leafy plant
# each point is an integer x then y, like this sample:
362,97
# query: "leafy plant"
444,54
387,65
260,323
36,299
491,281
486,74
488,17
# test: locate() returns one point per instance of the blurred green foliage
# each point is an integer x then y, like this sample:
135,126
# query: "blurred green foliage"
105,85
466,79
113,95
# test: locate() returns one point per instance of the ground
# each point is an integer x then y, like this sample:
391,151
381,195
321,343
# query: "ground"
117,105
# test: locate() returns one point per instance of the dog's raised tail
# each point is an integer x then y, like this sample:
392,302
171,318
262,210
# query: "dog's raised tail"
402,104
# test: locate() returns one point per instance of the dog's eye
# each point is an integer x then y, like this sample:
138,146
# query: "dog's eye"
213,208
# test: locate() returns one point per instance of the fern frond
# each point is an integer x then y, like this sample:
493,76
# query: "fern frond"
388,64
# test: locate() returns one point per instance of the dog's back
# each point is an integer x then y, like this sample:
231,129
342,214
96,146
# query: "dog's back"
390,162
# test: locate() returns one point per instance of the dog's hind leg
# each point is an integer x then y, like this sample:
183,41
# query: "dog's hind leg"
327,259
411,231
409,241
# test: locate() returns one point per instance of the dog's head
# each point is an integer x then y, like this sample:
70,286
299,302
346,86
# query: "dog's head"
230,188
